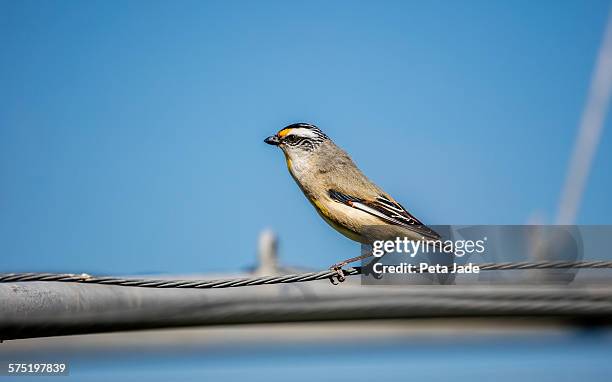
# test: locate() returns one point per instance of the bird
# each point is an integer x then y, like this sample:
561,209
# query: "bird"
341,194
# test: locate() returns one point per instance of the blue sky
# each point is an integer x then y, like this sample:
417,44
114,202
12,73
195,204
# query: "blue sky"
131,132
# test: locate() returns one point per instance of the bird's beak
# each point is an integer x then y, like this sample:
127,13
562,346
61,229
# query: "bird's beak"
272,140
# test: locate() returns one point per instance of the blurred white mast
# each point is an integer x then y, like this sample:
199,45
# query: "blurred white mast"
268,254
589,131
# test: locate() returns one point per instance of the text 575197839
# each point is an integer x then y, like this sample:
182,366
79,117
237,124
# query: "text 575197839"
34,368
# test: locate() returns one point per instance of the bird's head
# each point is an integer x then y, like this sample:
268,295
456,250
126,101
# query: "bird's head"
298,139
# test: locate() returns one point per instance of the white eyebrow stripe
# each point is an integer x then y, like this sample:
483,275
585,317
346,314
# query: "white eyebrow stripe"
302,132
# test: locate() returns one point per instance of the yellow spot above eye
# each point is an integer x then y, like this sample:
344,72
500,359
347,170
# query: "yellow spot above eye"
284,132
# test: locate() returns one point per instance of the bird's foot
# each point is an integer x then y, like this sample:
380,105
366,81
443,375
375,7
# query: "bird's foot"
338,274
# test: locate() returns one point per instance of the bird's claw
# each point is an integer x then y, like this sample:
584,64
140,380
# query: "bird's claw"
338,274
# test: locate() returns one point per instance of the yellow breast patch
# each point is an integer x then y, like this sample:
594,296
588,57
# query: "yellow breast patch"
324,212
321,208
288,160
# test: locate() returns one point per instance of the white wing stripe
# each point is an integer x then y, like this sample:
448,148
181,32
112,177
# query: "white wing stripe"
389,204
372,211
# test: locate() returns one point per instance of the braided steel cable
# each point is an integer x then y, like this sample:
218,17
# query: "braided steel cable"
191,284
269,280
546,265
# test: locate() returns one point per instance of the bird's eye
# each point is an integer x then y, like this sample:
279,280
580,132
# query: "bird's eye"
291,139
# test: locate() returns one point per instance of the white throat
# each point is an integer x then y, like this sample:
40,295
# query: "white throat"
299,166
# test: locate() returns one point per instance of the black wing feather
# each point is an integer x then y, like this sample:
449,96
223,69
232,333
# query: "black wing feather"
388,210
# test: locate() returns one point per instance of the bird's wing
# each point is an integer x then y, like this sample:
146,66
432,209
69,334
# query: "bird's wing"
385,209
